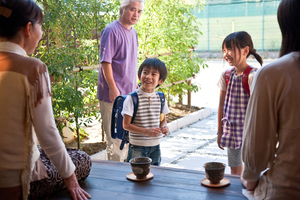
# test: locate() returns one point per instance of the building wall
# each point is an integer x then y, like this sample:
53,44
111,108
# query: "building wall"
257,17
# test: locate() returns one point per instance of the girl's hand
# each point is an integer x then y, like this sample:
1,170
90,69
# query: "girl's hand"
153,132
219,141
74,188
165,130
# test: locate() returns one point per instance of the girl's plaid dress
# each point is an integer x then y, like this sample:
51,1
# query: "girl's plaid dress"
235,106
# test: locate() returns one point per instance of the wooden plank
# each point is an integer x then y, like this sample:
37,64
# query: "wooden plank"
108,181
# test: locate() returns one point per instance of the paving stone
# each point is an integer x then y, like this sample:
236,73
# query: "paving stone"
181,144
212,149
196,161
206,123
169,156
196,133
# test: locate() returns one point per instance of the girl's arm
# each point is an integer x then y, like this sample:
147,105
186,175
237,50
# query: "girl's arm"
220,116
152,132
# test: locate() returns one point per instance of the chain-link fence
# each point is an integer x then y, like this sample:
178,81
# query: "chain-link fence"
257,17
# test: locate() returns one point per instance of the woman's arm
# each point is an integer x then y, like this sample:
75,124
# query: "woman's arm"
260,128
51,142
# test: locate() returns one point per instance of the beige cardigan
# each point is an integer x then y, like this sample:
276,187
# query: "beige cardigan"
25,101
272,130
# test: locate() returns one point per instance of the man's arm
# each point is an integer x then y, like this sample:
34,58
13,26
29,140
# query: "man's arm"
108,75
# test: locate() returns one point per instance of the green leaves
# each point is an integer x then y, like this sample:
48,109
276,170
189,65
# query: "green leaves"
72,30
169,27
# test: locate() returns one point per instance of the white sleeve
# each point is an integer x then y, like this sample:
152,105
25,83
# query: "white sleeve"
128,106
166,109
48,135
222,82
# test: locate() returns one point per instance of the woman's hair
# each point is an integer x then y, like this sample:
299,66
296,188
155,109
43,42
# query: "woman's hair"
240,40
288,16
15,14
125,3
155,64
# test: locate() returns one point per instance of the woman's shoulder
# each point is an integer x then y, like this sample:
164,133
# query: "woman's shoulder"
31,62
282,64
28,66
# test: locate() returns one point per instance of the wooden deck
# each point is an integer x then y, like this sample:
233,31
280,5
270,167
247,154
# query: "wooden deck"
108,181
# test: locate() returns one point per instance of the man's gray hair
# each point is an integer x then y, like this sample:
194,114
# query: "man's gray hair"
125,3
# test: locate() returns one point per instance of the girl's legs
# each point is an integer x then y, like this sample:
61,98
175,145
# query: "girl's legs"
235,160
237,170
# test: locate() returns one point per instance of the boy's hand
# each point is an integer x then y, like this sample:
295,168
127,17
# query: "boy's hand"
153,132
165,130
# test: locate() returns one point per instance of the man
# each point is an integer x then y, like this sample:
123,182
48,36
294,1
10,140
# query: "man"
118,68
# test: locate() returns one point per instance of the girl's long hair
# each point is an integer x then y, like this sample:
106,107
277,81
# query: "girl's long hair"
240,40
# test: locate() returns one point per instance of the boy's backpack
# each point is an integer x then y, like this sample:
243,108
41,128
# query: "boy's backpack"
244,79
117,130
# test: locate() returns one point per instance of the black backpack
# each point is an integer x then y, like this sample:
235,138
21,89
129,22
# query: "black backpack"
117,130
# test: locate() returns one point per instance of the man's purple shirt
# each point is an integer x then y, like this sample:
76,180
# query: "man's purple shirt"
118,46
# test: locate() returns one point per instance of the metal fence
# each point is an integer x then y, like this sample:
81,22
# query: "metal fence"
257,17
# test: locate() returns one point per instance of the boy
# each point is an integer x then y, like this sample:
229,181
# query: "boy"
146,130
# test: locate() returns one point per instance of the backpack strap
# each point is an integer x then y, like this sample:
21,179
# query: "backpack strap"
135,105
162,100
227,75
245,79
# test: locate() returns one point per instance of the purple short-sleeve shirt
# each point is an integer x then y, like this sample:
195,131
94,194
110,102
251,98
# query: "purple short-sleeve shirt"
118,46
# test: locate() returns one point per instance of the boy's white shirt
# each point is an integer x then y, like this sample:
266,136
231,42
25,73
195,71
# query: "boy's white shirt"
222,82
128,105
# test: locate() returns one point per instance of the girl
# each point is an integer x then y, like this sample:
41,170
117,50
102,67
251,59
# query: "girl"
234,95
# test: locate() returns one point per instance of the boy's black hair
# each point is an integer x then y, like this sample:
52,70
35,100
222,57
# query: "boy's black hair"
155,64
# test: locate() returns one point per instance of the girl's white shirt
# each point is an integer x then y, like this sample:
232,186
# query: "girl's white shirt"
44,124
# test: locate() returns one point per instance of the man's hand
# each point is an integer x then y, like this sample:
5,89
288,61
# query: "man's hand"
113,93
74,188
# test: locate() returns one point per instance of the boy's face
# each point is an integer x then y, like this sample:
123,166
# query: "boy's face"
150,79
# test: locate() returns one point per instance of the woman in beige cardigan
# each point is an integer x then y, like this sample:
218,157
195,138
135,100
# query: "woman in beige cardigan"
25,103
272,124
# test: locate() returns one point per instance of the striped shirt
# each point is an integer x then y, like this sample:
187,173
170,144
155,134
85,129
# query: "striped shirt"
147,116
